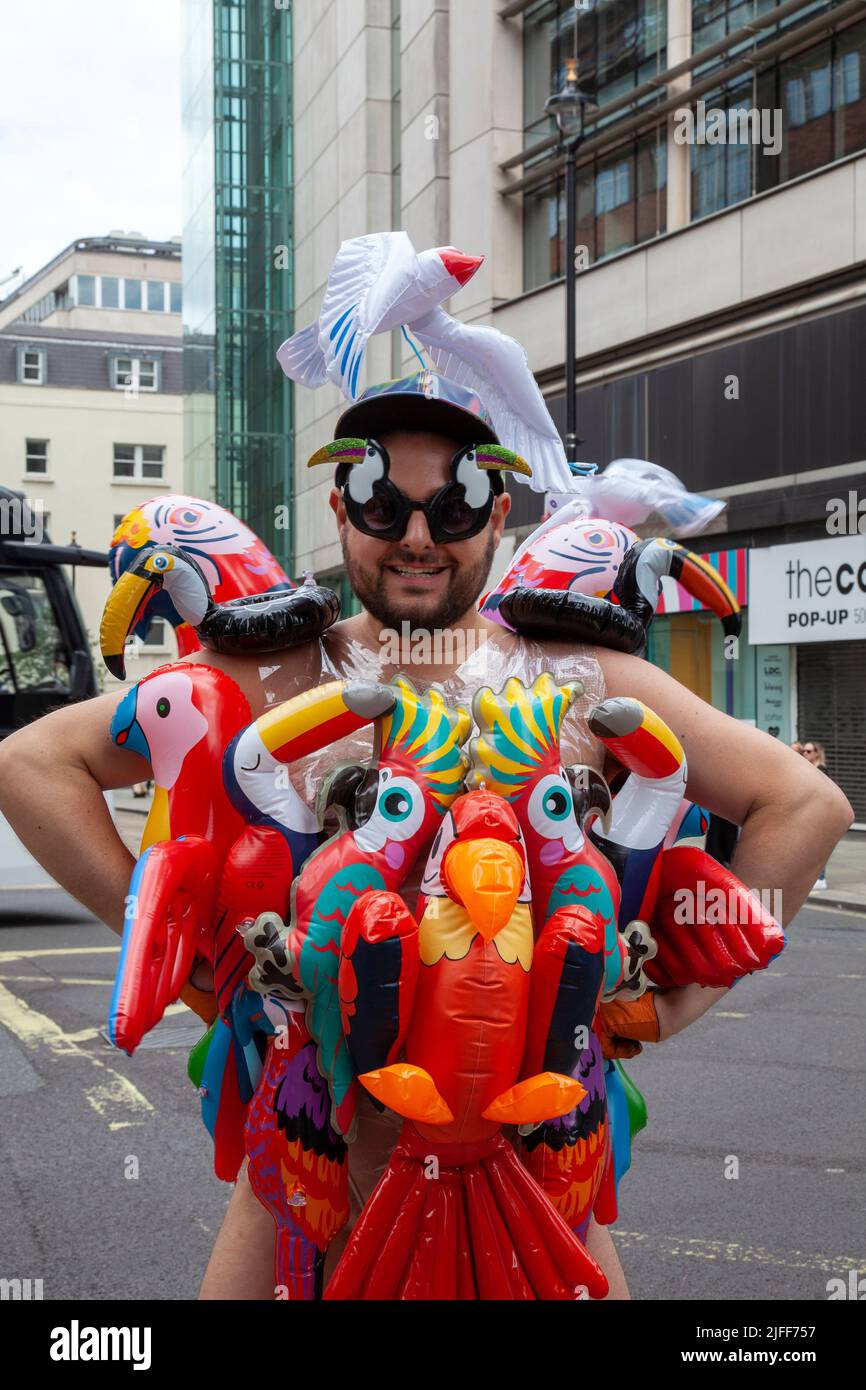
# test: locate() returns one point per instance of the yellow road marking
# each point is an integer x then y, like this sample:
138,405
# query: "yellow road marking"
35,1030
696,1248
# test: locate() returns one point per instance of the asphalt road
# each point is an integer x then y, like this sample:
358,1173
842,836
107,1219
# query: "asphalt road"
774,1079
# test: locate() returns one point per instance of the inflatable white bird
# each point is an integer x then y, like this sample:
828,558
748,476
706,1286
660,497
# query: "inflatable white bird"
380,282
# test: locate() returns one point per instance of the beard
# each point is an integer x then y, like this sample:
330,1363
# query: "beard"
465,585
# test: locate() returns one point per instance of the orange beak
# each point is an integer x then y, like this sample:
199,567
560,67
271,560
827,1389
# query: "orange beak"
486,876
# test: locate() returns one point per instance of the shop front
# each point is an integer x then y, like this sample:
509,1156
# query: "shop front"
798,669
687,641
812,596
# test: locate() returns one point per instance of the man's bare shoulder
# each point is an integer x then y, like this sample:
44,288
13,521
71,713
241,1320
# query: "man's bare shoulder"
267,678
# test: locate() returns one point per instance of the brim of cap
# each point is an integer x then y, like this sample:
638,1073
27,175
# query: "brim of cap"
377,416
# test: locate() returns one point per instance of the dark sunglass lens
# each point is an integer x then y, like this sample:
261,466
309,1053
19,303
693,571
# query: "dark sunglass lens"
457,517
380,513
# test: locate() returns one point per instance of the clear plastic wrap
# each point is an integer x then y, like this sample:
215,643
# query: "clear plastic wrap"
492,663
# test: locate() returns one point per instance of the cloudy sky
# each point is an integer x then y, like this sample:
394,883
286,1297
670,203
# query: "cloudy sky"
90,135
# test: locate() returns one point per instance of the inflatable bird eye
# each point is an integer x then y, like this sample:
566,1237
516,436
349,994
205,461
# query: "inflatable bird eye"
160,562
551,810
398,813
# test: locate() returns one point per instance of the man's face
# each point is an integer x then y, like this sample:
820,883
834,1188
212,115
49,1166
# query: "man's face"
414,580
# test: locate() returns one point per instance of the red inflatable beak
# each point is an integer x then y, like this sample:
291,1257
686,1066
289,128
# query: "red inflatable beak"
170,907
462,267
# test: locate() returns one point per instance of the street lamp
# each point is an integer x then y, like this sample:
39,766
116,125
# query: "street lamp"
569,106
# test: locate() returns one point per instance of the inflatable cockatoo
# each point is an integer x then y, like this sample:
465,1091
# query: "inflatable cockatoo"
380,282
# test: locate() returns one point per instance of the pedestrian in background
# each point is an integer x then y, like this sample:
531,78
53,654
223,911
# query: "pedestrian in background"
814,753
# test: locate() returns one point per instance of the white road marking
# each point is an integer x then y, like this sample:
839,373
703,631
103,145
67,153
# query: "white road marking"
697,1248
88,1034
55,980
727,1013
114,1093
27,954
28,887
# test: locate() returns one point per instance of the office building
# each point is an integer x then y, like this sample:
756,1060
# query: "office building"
721,298
91,400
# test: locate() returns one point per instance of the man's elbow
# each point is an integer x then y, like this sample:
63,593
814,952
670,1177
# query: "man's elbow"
838,813
830,812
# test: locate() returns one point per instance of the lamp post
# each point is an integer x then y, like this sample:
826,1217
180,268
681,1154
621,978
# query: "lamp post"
568,106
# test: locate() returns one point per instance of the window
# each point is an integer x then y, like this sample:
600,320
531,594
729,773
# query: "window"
33,655
135,373
619,45
31,365
139,461
155,634
132,294
156,295
821,96
58,298
849,94
176,296
722,174
621,202
85,292
110,296
36,456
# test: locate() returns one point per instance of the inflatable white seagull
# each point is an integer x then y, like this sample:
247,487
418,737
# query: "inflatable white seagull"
380,282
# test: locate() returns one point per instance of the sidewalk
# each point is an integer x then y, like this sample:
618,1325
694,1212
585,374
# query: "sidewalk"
846,875
125,801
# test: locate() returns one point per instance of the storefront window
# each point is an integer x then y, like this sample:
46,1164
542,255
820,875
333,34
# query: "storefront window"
692,648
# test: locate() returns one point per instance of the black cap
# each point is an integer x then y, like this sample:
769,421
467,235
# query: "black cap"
424,401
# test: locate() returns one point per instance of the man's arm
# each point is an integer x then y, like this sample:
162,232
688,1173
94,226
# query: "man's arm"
791,816
52,776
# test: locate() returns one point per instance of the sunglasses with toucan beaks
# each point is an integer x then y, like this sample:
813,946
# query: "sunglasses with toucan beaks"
458,511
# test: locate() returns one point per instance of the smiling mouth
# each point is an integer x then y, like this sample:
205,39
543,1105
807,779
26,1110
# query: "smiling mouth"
417,571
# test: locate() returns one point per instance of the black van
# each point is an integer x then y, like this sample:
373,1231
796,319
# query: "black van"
45,659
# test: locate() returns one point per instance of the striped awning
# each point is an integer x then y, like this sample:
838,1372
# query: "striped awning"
732,566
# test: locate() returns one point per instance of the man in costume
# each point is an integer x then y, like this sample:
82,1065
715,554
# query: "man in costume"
418,550
52,774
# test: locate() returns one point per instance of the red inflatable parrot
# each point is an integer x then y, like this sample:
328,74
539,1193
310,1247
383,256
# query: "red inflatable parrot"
456,1215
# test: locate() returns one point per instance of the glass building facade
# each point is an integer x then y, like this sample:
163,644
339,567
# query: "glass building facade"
818,87
238,259
818,90
621,198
